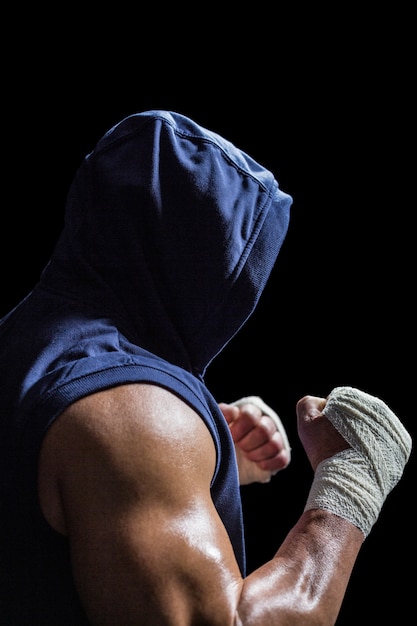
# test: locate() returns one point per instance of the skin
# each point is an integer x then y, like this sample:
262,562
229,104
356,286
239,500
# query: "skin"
125,475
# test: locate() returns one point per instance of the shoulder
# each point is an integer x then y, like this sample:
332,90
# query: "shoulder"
132,436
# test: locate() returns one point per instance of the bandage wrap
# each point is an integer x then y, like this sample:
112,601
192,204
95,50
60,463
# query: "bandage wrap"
354,483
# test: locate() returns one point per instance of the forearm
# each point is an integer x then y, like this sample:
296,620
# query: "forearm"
306,580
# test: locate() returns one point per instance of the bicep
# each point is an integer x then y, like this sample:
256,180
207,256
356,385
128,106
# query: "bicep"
146,540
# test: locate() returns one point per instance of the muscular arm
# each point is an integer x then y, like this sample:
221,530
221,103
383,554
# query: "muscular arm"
126,475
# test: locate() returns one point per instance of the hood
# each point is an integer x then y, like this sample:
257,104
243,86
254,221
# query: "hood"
171,232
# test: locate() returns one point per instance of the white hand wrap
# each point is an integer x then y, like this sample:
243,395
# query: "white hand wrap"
266,410
354,483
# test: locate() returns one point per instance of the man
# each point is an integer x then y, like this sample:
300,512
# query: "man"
120,471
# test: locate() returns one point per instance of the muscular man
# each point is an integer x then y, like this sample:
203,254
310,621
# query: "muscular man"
120,471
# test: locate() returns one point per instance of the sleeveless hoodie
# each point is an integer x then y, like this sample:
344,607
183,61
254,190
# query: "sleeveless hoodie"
170,235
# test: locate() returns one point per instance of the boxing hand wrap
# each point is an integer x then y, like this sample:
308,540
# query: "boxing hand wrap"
266,410
354,483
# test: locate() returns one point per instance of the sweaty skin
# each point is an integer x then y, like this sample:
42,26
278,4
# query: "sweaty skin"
125,474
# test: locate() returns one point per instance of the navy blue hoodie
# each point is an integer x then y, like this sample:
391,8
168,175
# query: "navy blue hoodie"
170,235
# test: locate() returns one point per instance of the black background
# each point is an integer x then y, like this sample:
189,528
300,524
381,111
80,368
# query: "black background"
326,101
